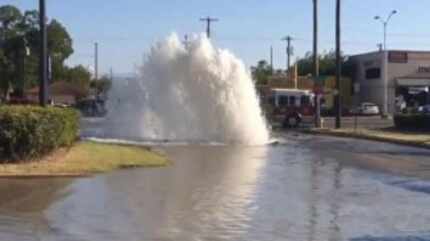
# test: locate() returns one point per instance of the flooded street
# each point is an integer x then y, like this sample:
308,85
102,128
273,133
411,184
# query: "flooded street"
310,188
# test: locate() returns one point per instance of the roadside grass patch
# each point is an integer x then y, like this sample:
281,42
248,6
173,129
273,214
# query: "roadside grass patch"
85,158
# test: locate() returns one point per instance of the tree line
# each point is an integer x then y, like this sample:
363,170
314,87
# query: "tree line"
20,50
327,67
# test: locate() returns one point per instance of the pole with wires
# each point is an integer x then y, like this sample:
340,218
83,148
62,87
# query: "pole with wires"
43,61
338,97
208,21
317,87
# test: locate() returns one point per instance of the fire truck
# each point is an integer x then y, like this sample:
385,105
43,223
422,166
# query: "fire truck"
291,107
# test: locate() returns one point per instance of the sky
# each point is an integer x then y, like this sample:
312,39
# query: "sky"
126,29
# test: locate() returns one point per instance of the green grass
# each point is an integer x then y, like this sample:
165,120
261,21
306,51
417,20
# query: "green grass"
86,158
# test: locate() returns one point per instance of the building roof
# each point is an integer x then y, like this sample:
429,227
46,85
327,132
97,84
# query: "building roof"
61,88
392,50
419,75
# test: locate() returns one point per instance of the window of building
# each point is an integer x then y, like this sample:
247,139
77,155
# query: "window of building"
292,100
283,100
305,100
271,100
398,57
373,73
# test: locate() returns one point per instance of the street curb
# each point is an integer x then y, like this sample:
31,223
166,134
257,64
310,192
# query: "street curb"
327,132
45,176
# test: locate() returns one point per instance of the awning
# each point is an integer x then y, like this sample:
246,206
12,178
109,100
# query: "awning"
413,82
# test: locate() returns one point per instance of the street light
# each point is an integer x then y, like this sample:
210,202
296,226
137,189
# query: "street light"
385,24
385,63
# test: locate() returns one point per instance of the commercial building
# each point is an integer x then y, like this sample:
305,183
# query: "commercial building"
392,79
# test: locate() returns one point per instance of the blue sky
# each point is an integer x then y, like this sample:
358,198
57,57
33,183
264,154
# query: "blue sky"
126,28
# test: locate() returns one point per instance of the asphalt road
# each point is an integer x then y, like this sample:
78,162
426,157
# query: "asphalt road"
304,188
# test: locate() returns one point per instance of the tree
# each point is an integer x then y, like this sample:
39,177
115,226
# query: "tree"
60,48
102,86
20,48
261,72
10,41
327,64
10,16
31,19
79,76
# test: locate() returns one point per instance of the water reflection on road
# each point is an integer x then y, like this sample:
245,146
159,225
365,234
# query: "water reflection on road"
309,189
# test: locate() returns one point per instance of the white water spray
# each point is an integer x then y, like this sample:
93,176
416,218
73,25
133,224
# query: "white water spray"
192,92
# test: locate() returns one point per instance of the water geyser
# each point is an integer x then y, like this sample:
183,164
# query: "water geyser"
190,92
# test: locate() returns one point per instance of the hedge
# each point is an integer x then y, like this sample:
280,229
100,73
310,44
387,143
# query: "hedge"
28,132
412,121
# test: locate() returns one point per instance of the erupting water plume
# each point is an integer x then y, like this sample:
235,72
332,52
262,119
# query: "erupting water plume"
188,92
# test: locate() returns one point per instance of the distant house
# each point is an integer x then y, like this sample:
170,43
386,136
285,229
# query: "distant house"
60,92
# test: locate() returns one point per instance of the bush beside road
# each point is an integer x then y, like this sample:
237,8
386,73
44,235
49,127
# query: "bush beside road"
28,132
390,135
43,142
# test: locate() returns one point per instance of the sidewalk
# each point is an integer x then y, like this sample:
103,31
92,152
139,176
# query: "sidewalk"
390,135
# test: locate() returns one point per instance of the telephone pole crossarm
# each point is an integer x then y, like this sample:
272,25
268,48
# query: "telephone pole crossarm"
208,21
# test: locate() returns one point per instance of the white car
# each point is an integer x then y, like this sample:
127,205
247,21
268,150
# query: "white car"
369,109
425,109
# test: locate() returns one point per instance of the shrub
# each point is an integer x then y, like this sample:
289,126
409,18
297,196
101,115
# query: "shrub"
28,132
412,121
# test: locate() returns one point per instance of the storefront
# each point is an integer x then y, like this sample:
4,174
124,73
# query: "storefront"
393,80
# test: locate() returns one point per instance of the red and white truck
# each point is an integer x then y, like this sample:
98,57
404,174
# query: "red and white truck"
291,107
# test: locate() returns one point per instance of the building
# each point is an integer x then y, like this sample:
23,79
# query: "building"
60,92
385,77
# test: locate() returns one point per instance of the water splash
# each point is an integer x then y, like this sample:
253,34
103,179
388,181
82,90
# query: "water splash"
192,92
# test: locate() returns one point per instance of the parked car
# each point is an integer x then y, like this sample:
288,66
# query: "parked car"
367,108
425,109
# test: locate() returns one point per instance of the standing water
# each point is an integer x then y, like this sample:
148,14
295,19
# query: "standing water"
188,92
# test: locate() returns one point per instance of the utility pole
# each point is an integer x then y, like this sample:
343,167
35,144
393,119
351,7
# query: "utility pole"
288,39
338,97
317,86
111,74
96,61
186,40
208,21
271,60
43,61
